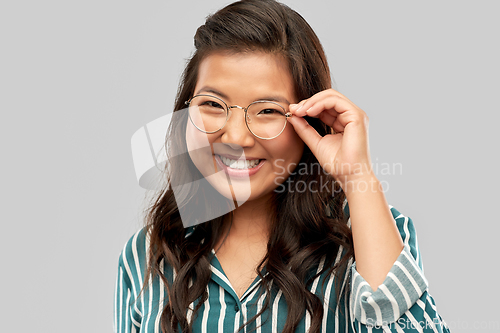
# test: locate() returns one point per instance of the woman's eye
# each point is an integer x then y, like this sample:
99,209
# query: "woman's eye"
213,104
270,111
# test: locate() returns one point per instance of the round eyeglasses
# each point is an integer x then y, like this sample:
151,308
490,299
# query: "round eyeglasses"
264,119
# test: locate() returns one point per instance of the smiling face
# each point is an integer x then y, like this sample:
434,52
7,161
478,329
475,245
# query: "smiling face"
240,79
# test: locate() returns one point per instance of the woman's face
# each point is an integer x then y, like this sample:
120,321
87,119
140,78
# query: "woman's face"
240,79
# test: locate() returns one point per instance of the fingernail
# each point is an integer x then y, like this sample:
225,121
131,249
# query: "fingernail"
293,106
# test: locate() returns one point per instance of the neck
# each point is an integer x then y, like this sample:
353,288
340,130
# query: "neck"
252,220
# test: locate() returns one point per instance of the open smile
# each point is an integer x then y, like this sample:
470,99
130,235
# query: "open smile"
239,167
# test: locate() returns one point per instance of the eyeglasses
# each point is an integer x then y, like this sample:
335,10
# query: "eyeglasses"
264,119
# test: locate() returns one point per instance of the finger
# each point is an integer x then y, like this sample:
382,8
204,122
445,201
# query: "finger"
333,122
306,132
338,127
351,117
302,107
318,111
332,104
327,118
294,107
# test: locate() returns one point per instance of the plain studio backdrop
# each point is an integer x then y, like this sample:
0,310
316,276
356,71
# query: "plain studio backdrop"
79,78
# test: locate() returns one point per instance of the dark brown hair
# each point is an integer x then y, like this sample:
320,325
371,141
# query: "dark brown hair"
301,231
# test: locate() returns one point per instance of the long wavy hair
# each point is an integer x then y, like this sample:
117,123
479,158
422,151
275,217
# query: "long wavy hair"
302,233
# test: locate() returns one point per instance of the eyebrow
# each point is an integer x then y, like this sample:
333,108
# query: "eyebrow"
224,96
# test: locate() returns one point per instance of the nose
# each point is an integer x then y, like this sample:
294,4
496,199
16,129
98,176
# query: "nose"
235,132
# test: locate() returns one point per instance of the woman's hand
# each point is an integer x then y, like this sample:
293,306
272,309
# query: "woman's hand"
345,155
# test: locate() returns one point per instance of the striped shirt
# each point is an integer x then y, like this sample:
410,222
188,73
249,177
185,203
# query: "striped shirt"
401,303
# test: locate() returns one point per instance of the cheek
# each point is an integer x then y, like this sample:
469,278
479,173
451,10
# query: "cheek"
199,150
196,139
287,151
290,145
296,145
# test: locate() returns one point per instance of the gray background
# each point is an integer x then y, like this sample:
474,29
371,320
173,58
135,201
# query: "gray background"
79,78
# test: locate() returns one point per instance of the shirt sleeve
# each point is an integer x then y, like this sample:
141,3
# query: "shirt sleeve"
127,315
123,292
402,302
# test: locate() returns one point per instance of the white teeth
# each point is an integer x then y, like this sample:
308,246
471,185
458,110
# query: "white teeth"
239,164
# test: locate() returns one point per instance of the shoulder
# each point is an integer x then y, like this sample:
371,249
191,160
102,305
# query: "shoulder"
134,246
134,255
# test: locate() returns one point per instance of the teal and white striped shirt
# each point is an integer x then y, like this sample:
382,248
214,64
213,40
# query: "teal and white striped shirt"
401,304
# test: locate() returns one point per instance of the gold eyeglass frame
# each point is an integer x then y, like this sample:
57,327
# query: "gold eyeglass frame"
228,112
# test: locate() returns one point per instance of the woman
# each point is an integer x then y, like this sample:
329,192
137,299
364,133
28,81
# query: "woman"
272,219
